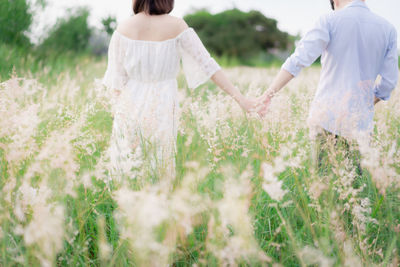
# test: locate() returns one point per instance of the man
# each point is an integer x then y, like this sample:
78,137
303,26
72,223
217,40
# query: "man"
356,46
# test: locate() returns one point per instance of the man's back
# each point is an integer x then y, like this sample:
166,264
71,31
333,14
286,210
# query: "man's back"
355,47
359,41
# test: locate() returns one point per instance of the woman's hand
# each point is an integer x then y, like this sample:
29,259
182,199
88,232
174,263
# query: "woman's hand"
117,92
248,104
255,105
265,101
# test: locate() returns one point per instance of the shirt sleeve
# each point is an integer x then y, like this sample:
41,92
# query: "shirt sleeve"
389,71
309,48
198,65
115,76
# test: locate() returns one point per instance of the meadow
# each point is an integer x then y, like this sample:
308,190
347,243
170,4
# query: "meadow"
246,191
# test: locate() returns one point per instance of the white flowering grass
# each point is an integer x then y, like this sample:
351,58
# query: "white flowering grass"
245,191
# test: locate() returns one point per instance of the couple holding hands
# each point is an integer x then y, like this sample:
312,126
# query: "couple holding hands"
356,47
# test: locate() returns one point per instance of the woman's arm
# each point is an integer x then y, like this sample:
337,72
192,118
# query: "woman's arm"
199,67
220,79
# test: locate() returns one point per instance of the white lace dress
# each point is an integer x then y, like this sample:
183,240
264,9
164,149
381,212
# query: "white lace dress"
145,113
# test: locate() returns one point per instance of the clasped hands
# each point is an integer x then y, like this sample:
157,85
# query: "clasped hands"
259,105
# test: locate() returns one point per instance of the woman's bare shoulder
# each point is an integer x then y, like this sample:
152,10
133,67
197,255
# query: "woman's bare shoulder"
177,25
168,26
126,24
180,23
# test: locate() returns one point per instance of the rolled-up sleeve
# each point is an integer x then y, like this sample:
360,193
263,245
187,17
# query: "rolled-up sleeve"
310,47
389,71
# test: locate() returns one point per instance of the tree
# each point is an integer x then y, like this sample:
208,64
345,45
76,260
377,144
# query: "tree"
109,24
15,20
69,34
235,33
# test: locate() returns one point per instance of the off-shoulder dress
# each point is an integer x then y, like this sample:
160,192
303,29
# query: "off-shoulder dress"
145,72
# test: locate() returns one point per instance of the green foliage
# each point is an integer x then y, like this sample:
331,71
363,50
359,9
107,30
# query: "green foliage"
262,59
253,33
11,57
15,20
109,24
25,62
69,34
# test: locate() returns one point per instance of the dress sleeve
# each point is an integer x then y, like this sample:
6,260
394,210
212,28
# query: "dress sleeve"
115,76
198,65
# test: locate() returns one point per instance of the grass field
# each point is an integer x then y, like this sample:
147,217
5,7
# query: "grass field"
245,194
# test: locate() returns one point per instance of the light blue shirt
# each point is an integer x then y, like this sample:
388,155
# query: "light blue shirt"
356,46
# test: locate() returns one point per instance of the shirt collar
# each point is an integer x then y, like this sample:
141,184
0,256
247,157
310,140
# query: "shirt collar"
357,3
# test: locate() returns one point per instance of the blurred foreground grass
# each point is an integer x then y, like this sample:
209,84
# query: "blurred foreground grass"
59,208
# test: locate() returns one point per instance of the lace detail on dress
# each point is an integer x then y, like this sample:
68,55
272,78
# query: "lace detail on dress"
116,76
197,63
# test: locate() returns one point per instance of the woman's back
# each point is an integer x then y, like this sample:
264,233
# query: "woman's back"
152,28
148,48
143,63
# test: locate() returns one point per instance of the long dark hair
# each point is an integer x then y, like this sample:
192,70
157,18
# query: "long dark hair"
333,4
153,7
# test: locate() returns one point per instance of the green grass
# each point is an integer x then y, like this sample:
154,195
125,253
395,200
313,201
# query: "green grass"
46,68
281,229
263,60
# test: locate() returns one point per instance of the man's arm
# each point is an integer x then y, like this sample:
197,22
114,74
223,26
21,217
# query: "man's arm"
281,80
389,71
308,50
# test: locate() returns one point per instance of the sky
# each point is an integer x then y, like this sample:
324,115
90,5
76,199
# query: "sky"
293,16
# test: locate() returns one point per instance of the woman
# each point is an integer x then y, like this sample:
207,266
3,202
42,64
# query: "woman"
143,63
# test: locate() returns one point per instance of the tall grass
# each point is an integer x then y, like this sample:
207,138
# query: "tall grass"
46,68
246,192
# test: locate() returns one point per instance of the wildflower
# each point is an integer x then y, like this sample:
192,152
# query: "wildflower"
313,256
105,248
229,246
46,232
272,186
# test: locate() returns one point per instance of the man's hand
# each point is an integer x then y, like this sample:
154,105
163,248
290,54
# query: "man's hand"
253,105
248,104
258,105
263,104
